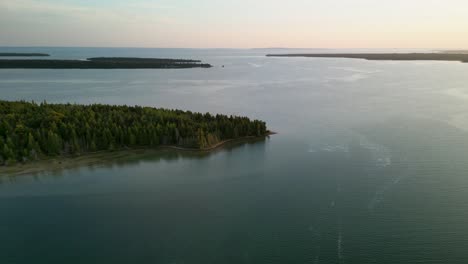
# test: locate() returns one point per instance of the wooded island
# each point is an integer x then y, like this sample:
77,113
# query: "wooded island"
32,131
18,54
103,63
462,57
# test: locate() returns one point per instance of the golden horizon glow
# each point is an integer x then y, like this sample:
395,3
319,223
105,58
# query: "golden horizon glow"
236,24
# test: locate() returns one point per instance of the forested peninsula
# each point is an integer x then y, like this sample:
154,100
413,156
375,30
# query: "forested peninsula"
18,54
462,57
103,63
34,131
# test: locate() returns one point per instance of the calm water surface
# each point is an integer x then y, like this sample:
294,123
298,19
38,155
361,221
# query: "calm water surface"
369,166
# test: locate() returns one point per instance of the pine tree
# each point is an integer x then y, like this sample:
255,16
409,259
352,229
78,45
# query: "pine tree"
28,130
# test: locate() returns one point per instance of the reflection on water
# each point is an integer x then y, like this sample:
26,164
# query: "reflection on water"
126,159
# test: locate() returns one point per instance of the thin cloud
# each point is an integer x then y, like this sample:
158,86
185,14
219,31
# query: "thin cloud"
128,14
40,7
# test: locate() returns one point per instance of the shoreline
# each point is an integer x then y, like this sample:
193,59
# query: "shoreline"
218,145
461,57
103,63
19,54
103,157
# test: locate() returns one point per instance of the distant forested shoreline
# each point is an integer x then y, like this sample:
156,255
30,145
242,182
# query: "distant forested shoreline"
103,63
439,56
21,54
35,131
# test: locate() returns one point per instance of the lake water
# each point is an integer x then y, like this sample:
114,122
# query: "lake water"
369,166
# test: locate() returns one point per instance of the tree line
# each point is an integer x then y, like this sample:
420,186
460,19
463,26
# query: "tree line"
104,63
30,131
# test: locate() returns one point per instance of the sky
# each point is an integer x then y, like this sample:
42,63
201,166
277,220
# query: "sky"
235,23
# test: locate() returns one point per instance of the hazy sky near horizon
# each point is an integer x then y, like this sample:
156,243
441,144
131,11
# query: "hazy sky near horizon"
236,23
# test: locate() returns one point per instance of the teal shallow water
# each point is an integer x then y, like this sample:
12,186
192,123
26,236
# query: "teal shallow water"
369,166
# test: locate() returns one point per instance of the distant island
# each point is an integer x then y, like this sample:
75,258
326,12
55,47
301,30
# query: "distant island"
30,131
454,51
462,57
104,63
17,54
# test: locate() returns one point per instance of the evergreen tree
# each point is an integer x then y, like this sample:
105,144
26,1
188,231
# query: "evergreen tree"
30,130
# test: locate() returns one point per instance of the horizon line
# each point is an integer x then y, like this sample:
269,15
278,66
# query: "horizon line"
220,48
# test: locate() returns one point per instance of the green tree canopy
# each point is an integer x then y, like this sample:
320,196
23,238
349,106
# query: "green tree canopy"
31,130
